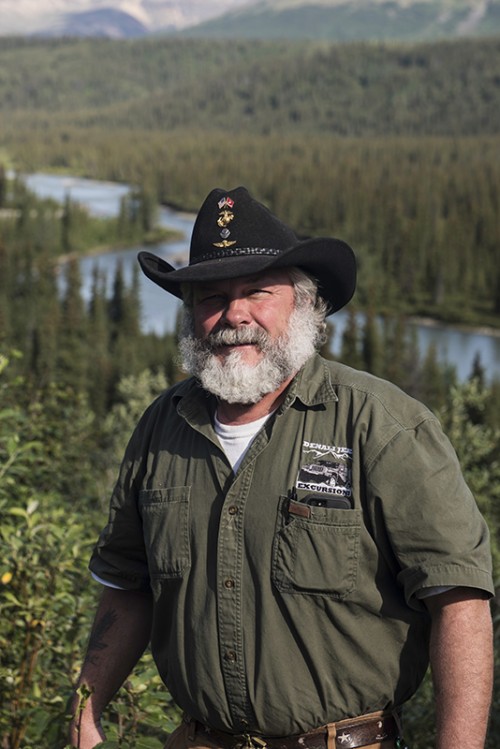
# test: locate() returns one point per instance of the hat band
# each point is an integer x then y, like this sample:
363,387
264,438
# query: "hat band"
235,253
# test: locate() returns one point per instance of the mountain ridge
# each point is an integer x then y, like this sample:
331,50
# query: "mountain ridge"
333,20
103,22
44,17
354,20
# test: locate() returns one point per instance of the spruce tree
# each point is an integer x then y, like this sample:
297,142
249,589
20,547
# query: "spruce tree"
74,346
350,353
47,325
101,372
372,344
3,186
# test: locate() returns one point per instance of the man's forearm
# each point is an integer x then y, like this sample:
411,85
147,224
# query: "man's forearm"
461,655
119,636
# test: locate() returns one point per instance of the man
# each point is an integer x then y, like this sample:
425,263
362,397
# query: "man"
294,537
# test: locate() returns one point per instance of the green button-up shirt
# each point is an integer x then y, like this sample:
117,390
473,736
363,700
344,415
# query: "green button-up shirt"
271,614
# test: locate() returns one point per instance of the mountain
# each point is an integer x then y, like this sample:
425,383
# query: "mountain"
105,22
349,20
334,20
56,17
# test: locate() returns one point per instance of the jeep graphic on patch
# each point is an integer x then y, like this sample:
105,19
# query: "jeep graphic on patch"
326,469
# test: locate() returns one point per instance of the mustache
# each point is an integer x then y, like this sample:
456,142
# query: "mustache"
237,336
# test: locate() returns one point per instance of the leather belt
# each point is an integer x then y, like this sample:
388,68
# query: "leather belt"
346,734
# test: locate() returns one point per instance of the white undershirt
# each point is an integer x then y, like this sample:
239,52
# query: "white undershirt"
235,439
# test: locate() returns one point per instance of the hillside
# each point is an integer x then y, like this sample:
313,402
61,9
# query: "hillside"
445,88
105,22
348,20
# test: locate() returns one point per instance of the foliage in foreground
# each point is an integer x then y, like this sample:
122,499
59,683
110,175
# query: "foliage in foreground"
50,487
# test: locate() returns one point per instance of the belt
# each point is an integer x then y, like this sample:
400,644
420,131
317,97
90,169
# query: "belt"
348,734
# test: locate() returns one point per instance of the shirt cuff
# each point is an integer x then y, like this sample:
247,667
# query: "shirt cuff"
433,590
105,582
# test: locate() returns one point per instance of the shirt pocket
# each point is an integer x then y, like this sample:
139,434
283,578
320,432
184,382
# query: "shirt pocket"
165,519
316,555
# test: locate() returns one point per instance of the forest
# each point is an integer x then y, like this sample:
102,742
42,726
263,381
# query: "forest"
394,149
450,88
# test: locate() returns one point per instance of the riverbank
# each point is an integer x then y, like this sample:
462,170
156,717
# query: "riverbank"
433,323
161,236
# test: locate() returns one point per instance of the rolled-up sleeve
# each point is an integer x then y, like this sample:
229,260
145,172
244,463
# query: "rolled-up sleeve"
119,557
434,526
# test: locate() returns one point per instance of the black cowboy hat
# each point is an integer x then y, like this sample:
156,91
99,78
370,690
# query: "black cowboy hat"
234,235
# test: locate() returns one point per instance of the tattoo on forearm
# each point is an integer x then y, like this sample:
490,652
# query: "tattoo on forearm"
100,629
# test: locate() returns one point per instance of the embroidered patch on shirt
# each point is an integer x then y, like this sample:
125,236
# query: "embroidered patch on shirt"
326,469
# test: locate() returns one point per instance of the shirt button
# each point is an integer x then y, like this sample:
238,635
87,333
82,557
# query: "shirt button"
229,583
230,655
233,510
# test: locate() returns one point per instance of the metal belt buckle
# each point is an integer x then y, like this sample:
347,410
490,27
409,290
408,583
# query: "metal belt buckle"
252,742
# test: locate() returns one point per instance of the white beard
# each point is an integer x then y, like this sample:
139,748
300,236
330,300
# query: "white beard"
234,381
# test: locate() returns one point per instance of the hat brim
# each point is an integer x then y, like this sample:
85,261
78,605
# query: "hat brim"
330,261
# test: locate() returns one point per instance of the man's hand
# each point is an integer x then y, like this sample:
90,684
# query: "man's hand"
85,730
461,653
85,733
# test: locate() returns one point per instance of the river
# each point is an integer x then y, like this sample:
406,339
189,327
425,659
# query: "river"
455,346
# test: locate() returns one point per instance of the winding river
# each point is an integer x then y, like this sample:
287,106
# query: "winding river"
456,346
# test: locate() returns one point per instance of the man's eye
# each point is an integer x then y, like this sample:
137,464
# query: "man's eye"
211,298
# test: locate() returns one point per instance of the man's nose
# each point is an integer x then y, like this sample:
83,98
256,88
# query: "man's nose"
236,312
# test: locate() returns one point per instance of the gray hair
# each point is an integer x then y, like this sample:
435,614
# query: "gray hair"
305,289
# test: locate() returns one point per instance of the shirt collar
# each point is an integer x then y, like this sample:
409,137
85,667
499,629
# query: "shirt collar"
312,386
